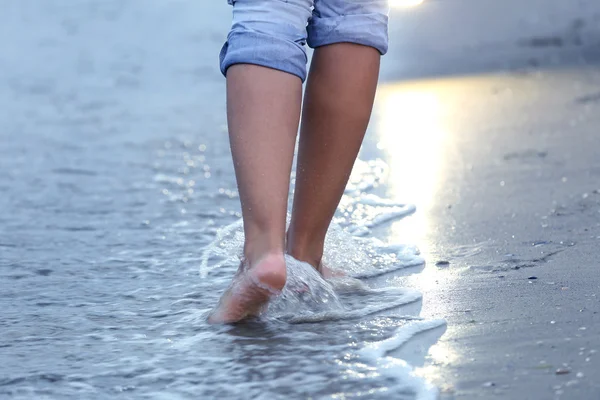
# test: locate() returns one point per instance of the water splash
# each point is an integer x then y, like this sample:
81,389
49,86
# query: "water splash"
354,256
305,293
366,257
225,248
348,302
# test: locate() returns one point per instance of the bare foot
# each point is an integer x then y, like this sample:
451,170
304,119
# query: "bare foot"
250,290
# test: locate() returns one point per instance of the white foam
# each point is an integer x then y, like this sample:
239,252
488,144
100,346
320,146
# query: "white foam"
365,176
376,353
403,299
391,215
374,200
366,211
360,231
400,337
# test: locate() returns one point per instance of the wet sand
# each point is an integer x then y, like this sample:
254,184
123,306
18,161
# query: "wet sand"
506,178
508,194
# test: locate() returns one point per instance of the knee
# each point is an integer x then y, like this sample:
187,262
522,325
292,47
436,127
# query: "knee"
270,33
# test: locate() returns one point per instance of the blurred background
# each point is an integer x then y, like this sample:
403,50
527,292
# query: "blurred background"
450,37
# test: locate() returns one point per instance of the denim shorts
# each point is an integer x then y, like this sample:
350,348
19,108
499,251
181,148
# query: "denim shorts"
273,33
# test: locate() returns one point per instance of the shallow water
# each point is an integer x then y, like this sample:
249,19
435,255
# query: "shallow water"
116,178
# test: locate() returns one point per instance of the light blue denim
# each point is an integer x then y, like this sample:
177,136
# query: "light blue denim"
273,33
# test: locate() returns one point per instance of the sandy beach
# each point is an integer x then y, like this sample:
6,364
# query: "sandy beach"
509,96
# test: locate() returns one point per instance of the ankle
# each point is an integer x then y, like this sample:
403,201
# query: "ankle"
310,258
256,249
305,249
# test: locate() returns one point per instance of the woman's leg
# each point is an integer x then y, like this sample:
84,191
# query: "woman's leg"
265,64
349,38
263,110
337,107
263,116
